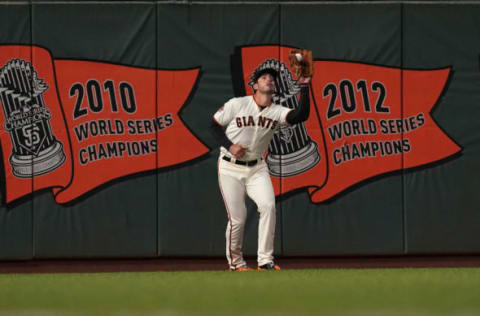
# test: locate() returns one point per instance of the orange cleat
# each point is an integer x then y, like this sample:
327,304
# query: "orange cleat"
268,266
242,268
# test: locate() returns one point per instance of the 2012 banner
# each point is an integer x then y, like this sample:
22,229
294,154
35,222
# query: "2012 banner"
365,121
73,125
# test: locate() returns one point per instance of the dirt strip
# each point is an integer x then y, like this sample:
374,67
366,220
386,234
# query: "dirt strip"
218,264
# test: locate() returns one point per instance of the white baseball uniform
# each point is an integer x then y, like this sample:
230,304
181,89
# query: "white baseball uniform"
249,125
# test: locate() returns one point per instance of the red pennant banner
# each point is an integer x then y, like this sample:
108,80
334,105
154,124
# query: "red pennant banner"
365,120
75,125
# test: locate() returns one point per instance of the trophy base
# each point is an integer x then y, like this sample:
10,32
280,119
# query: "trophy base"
294,163
30,166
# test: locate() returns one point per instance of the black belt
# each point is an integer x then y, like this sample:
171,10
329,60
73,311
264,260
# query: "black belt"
240,162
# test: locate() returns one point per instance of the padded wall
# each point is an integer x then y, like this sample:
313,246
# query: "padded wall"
106,150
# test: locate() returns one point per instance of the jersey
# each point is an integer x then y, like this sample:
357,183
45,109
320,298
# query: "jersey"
249,125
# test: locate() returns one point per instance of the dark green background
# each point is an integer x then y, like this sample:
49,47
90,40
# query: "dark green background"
179,211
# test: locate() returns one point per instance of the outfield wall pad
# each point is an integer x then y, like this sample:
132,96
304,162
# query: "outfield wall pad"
106,151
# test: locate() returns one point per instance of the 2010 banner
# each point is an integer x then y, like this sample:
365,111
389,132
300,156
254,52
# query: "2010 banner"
75,125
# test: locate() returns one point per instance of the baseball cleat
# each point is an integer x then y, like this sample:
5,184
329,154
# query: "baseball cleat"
268,266
242,268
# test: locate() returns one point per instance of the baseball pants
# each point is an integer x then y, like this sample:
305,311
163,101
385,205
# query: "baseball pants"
235,181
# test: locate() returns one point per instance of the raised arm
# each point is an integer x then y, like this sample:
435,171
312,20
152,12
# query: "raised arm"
300,113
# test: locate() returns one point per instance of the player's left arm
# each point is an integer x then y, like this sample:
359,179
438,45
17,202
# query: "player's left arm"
300,113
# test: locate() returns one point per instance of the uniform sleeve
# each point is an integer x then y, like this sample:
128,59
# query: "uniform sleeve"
225,114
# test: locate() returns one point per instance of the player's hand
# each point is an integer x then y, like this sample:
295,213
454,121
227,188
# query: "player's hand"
237,150
304,80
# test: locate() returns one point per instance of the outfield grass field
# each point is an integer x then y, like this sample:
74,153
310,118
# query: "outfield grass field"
352,292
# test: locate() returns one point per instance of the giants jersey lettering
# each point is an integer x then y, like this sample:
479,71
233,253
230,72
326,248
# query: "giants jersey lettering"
248,125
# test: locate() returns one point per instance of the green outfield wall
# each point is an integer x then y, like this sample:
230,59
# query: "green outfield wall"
106,151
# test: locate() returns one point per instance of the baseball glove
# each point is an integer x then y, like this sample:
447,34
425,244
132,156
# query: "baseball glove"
301,62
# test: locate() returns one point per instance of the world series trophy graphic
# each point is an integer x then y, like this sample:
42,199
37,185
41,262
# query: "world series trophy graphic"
35,150
291,151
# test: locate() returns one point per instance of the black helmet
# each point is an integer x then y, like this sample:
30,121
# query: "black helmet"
259,72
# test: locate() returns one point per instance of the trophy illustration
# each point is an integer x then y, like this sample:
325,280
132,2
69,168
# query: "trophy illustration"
291,151
35,151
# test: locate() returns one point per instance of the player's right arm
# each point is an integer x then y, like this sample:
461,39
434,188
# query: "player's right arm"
218,133
220,120
238,150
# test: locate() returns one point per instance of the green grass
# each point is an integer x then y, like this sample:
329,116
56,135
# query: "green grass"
377,292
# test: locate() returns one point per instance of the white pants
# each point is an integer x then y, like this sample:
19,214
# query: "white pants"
236,180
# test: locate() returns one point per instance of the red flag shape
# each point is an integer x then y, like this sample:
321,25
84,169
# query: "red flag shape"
366,120
112,121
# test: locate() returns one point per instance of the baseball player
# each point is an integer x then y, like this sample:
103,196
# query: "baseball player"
244,127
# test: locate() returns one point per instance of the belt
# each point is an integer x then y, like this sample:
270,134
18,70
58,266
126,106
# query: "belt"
241,162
